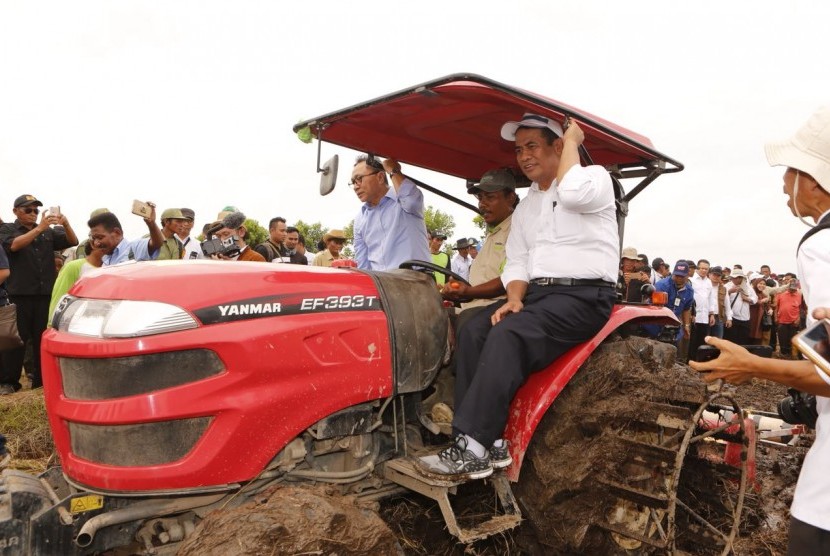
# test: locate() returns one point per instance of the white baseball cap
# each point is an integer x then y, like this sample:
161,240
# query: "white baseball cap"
508,130
807,151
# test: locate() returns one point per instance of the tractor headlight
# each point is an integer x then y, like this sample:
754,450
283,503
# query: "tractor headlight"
105,318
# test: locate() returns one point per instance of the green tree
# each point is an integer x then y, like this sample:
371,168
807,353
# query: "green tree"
256,233
439,221
478,220
313,233
348,250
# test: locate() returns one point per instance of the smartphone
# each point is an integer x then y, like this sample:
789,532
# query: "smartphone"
141,209
707,352
814,344
55,211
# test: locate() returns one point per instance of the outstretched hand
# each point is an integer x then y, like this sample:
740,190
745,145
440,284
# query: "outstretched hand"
734,364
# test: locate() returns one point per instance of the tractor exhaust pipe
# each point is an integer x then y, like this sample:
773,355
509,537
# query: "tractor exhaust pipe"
141,510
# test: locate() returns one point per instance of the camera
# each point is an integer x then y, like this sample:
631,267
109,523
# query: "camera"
799,408
226,247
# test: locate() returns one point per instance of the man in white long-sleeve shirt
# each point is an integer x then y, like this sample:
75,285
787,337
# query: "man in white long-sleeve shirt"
806,157
562,258
739,296
706,306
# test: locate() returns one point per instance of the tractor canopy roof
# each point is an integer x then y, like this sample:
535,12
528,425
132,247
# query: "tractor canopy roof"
452,125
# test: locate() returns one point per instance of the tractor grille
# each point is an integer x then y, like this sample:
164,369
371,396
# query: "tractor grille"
137,445
101,379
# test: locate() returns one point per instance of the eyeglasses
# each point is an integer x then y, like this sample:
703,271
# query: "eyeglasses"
358,179
29,210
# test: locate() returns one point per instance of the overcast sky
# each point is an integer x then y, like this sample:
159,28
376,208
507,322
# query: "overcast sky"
192,103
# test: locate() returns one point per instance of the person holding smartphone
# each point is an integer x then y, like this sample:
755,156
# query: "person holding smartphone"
806,158
30,243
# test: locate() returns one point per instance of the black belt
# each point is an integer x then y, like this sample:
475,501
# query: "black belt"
571,282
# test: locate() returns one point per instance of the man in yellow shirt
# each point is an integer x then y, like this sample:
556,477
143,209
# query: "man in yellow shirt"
496,194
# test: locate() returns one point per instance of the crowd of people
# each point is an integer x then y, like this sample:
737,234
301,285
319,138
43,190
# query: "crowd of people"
747,308
539,284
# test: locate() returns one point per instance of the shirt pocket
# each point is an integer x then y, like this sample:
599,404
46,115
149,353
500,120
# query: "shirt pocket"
567,226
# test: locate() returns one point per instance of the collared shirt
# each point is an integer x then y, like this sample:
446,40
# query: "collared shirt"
192,249
248,254
490,261
33,267
568,231
171,250
324,258
680,299
461,265
393,231
135,250
740,308
706,299
813,489
789,307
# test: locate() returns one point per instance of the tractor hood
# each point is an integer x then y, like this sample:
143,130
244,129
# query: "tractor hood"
222,291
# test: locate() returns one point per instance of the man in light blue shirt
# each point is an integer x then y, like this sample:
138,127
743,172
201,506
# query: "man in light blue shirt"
390,227
106,233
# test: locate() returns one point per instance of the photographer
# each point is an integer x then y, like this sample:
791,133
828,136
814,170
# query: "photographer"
807,184
231,234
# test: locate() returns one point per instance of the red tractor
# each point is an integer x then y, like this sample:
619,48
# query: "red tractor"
176,388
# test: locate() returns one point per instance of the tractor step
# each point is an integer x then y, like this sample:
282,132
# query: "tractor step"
404,472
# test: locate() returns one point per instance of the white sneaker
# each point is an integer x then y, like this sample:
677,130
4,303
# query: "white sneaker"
457,462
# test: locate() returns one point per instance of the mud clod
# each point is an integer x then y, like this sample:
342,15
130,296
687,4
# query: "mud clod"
293,520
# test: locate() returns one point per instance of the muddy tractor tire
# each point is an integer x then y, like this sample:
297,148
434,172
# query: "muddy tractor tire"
619,464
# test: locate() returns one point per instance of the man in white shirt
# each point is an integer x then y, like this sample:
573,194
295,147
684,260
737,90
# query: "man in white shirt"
190,245
562,257
462,260
706,306
739,296
807,184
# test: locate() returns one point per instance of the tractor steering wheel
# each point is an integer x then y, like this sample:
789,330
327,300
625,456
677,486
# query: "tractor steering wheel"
412,265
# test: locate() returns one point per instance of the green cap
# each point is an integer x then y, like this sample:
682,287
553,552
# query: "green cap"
172,213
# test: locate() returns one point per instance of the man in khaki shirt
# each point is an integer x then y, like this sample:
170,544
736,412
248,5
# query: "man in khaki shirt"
496,194
334,241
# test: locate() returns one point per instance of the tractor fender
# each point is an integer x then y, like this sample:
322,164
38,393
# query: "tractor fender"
537,394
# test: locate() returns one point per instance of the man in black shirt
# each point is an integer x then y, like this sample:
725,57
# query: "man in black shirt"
30,246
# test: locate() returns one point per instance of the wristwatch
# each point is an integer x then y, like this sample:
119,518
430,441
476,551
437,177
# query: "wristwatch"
393,172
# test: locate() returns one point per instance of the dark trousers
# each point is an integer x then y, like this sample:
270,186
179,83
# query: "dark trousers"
773,335
32,315
492,362
807,539
739,333
786,331
698,335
